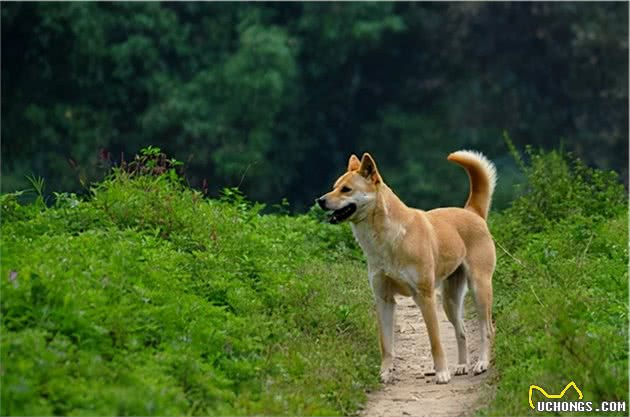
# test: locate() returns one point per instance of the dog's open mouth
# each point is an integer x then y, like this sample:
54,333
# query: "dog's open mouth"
342,214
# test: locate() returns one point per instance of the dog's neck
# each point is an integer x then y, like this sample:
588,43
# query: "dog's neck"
387,209
387,206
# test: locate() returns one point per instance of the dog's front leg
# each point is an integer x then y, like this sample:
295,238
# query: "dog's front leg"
385,311
425,299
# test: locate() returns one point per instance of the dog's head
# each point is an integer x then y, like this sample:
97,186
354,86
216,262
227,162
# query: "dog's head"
354,193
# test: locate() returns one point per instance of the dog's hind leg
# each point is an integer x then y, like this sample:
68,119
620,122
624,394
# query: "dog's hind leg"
480,278
453,291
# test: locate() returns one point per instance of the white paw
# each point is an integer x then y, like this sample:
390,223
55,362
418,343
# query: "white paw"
461,369
480,367
442,377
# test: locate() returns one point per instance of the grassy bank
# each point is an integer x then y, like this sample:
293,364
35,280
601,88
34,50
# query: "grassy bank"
146,299
561,287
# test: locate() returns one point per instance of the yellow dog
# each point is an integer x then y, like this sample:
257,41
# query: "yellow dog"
411,252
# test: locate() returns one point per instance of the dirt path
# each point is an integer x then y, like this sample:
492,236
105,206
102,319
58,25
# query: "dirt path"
413,393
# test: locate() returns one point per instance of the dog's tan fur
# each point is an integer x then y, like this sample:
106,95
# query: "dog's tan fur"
411,252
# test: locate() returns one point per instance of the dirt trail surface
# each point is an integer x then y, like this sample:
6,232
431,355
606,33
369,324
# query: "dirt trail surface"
415,394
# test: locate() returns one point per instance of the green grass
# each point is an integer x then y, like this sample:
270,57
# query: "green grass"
561,289
147,299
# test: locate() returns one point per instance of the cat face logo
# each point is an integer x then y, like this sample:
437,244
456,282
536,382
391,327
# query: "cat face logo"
553,396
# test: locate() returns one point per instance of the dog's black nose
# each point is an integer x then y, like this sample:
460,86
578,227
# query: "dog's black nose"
322,202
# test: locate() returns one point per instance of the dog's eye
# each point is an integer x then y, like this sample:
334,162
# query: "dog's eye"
346,189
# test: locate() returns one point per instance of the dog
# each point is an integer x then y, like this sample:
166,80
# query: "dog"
412,252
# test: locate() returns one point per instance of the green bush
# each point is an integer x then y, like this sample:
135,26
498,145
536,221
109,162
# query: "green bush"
561,285
147,299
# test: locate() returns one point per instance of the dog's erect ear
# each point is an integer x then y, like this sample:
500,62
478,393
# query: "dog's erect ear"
368,169
353,163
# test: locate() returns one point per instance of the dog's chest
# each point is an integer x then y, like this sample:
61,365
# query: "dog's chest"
380,251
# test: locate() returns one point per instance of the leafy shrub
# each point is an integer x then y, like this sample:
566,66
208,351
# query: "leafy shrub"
559,186
147,299
561,285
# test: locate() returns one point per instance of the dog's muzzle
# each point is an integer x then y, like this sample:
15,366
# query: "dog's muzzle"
342,214
338,215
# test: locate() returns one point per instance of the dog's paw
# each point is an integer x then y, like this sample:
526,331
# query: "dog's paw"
442,377
387,375
480,367
461,369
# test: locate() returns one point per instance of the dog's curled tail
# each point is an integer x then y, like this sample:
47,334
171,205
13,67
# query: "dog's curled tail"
483,178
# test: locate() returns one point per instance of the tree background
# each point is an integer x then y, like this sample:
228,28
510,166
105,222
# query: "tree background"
274,97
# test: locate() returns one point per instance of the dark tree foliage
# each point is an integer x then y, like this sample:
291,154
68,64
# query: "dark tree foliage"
273,97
